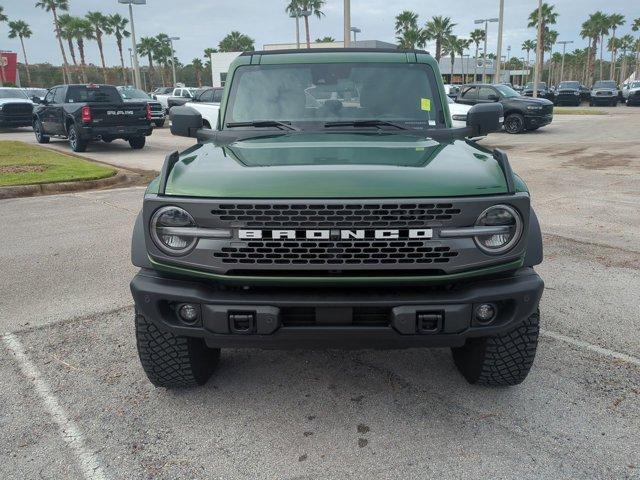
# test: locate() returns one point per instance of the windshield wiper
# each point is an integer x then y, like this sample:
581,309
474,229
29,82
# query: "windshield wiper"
364,123
264,123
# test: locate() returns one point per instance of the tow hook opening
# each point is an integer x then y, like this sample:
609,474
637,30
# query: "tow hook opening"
242,322
429,322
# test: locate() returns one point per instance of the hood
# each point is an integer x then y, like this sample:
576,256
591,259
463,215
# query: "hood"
531,100
4,101
336,165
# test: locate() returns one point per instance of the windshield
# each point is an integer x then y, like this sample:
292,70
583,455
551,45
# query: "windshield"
635,85
605,84
540,85
13,93
506,91
308,94
574,85
132,93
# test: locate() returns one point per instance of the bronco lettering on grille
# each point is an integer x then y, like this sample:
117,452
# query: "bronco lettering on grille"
382,234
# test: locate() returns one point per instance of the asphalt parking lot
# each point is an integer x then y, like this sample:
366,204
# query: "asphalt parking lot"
74,401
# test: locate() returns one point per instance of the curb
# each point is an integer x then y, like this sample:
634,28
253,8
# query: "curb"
37,189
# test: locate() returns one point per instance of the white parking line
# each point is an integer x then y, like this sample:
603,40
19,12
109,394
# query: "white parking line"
87,461
593,348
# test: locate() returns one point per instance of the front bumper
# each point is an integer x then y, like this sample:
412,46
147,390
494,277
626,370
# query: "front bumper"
603,99
91,132
336,317
568,98
15,120
535,121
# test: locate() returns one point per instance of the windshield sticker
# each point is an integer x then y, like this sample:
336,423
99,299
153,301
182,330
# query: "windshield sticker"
425,104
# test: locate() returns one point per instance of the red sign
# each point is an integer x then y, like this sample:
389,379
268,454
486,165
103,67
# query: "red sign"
8,66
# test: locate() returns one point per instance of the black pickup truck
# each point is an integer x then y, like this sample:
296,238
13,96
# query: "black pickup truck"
83,113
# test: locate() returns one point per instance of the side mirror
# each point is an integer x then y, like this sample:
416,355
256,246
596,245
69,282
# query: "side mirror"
185,121
493,98
485,118
35,99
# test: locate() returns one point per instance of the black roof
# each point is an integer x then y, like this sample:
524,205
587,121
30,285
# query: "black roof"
333,50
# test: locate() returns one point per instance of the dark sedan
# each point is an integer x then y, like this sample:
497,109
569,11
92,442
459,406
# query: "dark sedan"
543,91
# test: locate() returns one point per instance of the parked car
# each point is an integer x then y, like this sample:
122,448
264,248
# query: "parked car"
183,93
458,113
452,91
130,94
520,113
631,93
161,91
543,91
604,92
207,103
16,109
354,223
83,113
568,93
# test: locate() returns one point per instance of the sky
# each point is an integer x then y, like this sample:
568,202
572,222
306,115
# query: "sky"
203,23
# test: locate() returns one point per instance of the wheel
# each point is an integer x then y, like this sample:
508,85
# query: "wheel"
159,123
514,123
590,103
500,360
37,129
137,142
171,361
77,144
206,124
614,103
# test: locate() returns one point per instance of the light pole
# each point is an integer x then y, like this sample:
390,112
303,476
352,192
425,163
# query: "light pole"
131,61
347,23
499,48
136,66
296,15
508,53
484,55
564,44
522,67
173,58
355,31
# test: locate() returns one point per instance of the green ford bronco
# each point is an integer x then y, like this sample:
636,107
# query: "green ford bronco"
336,207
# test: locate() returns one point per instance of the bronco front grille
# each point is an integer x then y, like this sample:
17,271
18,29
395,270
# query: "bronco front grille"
368,215
17,109
335,253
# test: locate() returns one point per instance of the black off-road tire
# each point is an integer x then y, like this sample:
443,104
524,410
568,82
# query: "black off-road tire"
137,143
500,360
514,123
38,130
171,361
76,143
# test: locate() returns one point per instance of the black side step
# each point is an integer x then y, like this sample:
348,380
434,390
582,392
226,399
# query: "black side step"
169,161
503,160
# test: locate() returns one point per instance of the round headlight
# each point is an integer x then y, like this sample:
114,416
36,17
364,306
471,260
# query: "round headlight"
499,216
162,222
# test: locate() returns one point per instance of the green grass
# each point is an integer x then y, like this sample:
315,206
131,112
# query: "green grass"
22,164
578,111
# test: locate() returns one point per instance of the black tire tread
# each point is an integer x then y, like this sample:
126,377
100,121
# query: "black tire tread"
172,361
500,360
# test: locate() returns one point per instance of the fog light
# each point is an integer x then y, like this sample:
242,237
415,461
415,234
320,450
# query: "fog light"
485,313
188,313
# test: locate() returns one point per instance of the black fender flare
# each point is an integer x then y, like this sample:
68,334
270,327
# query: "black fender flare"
533,255
139,255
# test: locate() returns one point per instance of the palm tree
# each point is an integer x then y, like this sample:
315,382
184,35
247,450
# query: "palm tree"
118,27
325,40
548,17
438,29
635,28
83,30
236,42
3,18
163,54
21,30
197,68
615,20
452,46
410,39
207,56
527,46
603,29
101,26
54,6
66,28
147,47
591,30
626,43
313,6
406,21
478,35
